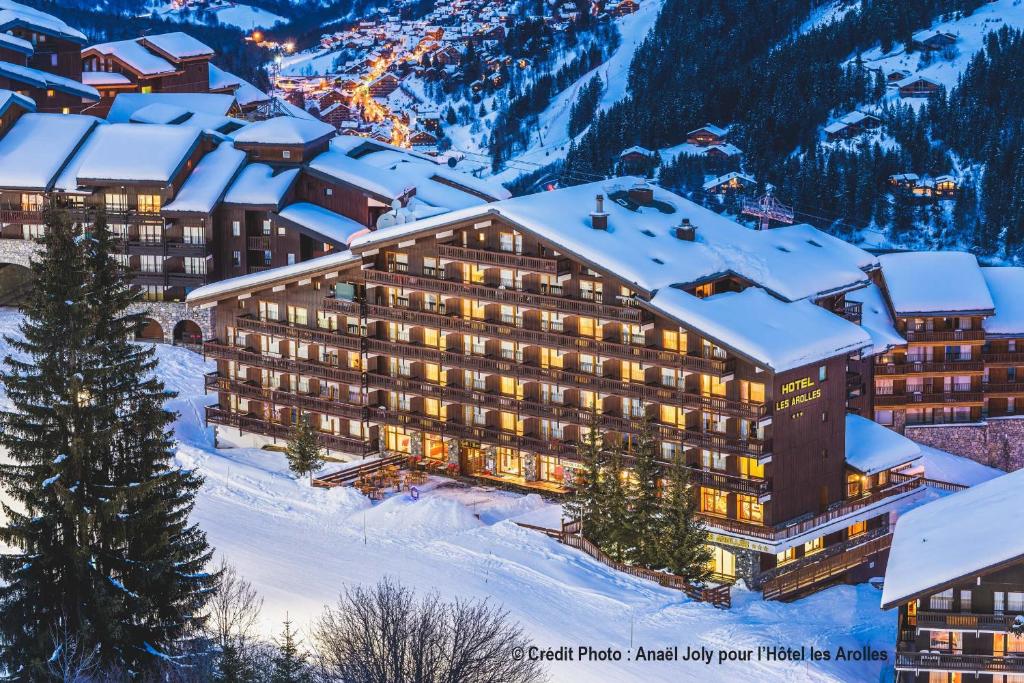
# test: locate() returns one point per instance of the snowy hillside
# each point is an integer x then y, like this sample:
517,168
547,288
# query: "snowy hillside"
245,17
300,546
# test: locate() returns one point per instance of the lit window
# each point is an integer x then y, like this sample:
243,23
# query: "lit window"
822,373
146,89
236,228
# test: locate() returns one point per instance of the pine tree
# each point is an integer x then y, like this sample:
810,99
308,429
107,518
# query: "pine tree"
304,453
51,586
615,494
586,502
146,544
683,540
644,513
290,662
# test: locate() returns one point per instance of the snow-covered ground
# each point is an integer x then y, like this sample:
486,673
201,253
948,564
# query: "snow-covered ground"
300,546
245,17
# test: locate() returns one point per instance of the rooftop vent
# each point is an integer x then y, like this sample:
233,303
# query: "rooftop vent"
686,231
648,232
598,218
642,194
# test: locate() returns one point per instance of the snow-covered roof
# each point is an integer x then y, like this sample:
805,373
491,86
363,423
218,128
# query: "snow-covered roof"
836,126
336,163
259,185
9,42
244,283
776,334
44,79
108,78
38,145
208,181
914,78
872,448
284,130
876,319
636,149
133,153
16,14
178,45
640,245
325,224
711,128
935,282
928,34
1006,285
951,539
8,98
220,79
136,57
247,94
715,182
126,104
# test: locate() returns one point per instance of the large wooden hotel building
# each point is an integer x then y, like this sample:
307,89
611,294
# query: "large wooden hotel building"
484,338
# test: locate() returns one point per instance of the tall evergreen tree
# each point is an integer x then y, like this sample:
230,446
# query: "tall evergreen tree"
305,456
290,662
645,510
51,588
617,539
586,502
683,541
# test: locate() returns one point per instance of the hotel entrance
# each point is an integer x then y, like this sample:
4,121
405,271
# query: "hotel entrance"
471,458
723,563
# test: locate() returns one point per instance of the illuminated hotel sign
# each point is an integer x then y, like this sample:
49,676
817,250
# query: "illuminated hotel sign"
797,393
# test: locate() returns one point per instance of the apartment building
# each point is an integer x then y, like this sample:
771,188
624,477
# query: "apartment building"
484,339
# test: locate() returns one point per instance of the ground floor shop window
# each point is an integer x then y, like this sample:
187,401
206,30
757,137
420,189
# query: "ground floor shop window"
509,462
722,562
395,440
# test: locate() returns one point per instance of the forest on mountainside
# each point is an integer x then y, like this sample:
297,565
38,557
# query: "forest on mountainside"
747,64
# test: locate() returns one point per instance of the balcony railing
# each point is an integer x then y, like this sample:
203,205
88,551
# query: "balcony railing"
257,425
945,335
801,575
320,404
498,258
950,366
507,296
1003,388
258,243
946,661
959,621
216,350
1003,357
303,332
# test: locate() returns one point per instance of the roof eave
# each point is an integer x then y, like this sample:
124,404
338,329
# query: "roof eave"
1017,559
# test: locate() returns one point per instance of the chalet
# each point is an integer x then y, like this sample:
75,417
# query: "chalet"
896,75
39,57
722,151
284,139
946,187
12,106
168,62
706,135
423,140
904,181
932,40
730,183
623,8
850,125
337,114
917,86
448,55
956,576
384,86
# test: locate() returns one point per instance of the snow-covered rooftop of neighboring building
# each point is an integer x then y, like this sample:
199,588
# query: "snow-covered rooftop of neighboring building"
129,152
44,79
1006,285
935,282
773,333
9,98
876,319
711,128
715,182
208,181
243,283
179,45
284,130
640,245
914,78
327,225
220,79
101,78
38,145
135,57
15,14
872,448
10,42
259,185
127,103
336,163
954,537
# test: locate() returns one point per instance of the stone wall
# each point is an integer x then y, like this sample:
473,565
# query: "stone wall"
19,252
170,313
998,442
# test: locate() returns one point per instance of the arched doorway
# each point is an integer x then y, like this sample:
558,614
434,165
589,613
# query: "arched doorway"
150,331
16,281
188,333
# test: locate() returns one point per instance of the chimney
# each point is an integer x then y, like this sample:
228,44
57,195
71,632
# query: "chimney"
686,231
642,194
598,218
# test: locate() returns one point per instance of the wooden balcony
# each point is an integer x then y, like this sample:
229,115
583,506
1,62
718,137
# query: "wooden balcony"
506,296
218,351
146,277
178,279
796,578
311,402
302,332
258,243
851,310
1010,388
145,247
257,425
1003,357
498,258
943,336
346,306
730,482
185,249
949,662
643,354
951,367
959,621
931,398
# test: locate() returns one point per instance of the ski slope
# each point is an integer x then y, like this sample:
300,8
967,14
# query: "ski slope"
300,546
244,17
